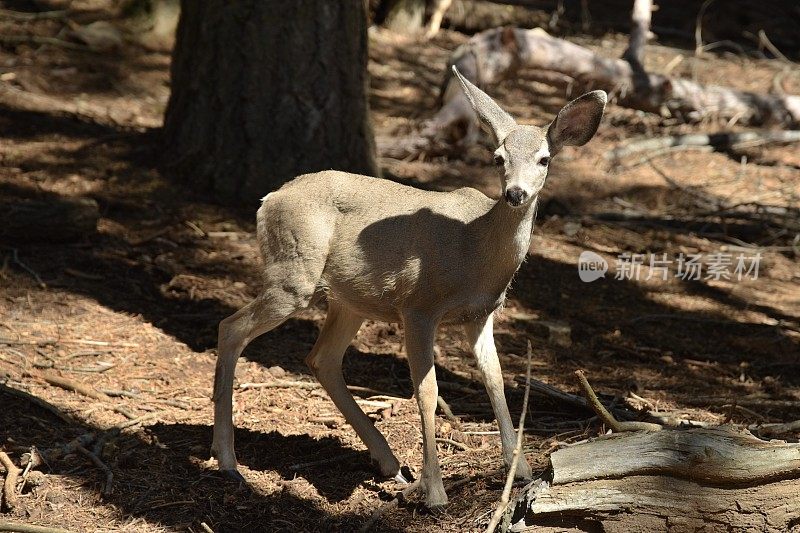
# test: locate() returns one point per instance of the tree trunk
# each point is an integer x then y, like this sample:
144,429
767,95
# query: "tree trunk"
263,91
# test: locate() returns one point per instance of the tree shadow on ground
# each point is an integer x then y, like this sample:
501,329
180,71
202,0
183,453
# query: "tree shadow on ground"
159,477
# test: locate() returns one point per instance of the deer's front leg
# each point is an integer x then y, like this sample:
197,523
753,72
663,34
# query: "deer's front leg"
480,335
420,333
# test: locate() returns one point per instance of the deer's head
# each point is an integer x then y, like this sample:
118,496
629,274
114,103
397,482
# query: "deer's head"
524,152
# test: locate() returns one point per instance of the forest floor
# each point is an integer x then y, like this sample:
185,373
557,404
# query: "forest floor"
135,307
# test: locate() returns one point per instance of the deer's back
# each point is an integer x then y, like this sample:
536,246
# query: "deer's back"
375,244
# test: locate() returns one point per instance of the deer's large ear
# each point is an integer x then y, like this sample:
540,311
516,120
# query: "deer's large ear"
577,122
498,122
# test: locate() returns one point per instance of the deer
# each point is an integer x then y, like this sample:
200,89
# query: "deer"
376,249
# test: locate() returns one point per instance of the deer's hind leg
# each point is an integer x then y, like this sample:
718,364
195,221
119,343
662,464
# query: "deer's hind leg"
277,303
325,360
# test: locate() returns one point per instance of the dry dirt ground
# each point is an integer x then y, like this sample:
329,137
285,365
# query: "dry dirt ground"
133,309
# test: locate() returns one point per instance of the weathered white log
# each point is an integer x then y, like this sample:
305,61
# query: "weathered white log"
494,55
671,480
640,30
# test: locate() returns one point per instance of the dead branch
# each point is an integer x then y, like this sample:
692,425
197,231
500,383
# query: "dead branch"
280,384
640,30
723,141
497,54
136,421
10,484
773,430
607,418
460,445
18,527
448,413
108,488
74,386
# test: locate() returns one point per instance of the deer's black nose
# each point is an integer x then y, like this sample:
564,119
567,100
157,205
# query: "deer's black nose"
515,196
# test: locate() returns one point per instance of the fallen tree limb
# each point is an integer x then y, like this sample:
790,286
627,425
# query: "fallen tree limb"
19,527
607,418
496,54
719,141
718,477
10,483
74,386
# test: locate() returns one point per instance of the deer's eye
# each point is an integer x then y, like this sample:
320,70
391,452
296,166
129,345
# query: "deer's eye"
544,161
499,160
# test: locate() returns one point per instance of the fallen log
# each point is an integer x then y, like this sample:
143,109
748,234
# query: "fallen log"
670,480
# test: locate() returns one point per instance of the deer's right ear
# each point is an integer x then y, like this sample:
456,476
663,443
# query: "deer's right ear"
498,122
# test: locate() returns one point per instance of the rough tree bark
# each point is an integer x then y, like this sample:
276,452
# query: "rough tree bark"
263,91
672,480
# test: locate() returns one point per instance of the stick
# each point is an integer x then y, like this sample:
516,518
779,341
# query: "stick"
10,484
109,486
72,385
448,413
136,421
281,384
17,527
451,442
607,418
48,342
501,507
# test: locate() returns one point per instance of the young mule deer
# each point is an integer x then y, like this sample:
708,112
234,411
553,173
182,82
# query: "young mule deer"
380,250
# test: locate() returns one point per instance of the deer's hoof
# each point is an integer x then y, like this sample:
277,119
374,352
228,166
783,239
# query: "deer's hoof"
523,470
404,475
231,474
435,496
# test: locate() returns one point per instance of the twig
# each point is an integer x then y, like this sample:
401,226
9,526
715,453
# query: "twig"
607,418
388,506
48,342
206,528
36,401
501,507
456,444
72,385
448,413
280,384
10,484
109,486
26,268
17,527
136,421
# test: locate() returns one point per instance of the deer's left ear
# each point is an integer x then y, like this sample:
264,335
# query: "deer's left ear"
577,122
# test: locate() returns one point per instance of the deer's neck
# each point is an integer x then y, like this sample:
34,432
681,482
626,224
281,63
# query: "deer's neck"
506,234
